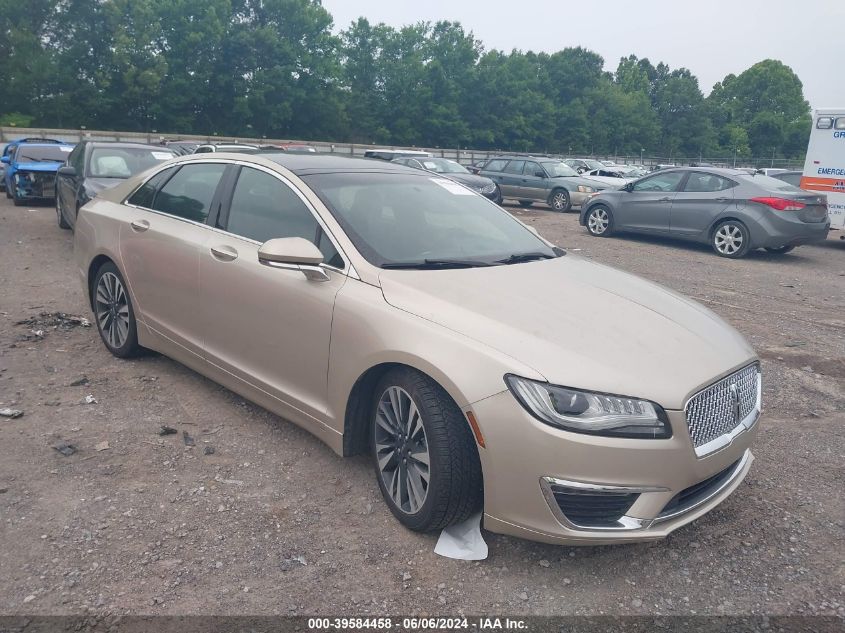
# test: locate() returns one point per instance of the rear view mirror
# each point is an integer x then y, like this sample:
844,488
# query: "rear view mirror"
293,253
67,170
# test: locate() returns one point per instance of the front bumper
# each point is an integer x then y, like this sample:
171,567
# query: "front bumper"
526,461
578,199
34,185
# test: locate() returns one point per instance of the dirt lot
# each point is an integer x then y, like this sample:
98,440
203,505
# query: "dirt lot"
274,523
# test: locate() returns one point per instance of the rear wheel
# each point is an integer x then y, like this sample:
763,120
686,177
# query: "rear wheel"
731,239
779,250
526,203
600,221
559,200
426,461
114,313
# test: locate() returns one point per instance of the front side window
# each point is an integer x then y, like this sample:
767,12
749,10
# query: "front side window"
399,219
559,169
189,193
668,181
263,208
701,182
533,169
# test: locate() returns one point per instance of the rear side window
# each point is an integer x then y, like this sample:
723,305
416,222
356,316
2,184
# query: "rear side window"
702,182
143,197
514,167
190,192
495,165
263,208
668,181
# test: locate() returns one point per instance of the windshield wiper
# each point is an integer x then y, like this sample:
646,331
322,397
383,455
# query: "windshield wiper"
436,263
524,257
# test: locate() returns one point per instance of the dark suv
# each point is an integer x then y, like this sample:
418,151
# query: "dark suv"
529,180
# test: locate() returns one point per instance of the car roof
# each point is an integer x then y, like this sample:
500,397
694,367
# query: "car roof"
127,145
309,163
47,144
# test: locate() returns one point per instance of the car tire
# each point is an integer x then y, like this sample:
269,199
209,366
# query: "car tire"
60,216
526,203
599,221
402,440
8,193
560,200
779,250
17,201
498,197
731,239
114,313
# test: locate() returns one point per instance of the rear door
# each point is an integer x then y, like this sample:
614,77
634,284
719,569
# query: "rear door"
269,327
511,184
703,198
646,207
160,247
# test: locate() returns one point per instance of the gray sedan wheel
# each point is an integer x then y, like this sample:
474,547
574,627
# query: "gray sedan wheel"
599,221
731,239
560,201
426,461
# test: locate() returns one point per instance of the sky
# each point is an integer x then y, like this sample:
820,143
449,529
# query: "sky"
712,38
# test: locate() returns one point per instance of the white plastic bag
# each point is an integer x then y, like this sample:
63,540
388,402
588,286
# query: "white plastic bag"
463,540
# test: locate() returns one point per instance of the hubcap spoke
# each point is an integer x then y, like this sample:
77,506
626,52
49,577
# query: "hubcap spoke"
112,309
402,450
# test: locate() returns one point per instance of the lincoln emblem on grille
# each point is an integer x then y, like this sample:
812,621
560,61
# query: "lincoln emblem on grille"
735,401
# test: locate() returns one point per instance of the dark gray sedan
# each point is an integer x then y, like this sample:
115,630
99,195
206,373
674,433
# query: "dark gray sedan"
729,209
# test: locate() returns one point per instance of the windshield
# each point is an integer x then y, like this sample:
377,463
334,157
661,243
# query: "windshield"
395,219
593,164
54,154
443,166
559,169
122,162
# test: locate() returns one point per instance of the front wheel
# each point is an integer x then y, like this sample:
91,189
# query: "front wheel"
425,456
560,201
114,313
731,239
497,197
59,215
600,221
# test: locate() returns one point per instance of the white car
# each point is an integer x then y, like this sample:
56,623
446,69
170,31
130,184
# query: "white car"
616,176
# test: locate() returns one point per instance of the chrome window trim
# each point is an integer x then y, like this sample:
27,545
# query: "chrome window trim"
348,269
746,424
744,461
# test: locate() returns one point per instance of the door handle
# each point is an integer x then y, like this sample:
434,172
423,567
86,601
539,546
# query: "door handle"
723,199
224,253
139,226
665,199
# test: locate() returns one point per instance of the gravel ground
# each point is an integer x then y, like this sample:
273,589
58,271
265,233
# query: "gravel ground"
273,522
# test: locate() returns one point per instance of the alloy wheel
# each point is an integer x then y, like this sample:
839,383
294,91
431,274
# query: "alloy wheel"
728,239
560,201
598,221
112,307
401,444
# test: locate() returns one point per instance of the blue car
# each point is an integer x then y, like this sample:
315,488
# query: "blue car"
30,169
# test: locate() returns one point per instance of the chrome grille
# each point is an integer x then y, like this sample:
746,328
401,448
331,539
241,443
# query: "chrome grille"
724,405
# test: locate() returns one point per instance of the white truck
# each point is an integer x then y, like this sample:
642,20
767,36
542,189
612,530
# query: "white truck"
824,169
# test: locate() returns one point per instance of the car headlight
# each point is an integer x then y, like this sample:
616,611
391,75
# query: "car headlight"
586,189
488,188
591,413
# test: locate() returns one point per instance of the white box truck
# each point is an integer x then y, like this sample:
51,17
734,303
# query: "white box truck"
824,169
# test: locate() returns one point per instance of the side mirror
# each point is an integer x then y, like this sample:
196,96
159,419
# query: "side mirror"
581,170
68,171
293,253
629,187
540,173
5,160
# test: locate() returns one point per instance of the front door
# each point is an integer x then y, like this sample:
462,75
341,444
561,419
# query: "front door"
646,207
267,326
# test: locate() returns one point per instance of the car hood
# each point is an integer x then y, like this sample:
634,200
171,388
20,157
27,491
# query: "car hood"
582,180
470,180
41,167
96,185
579,324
